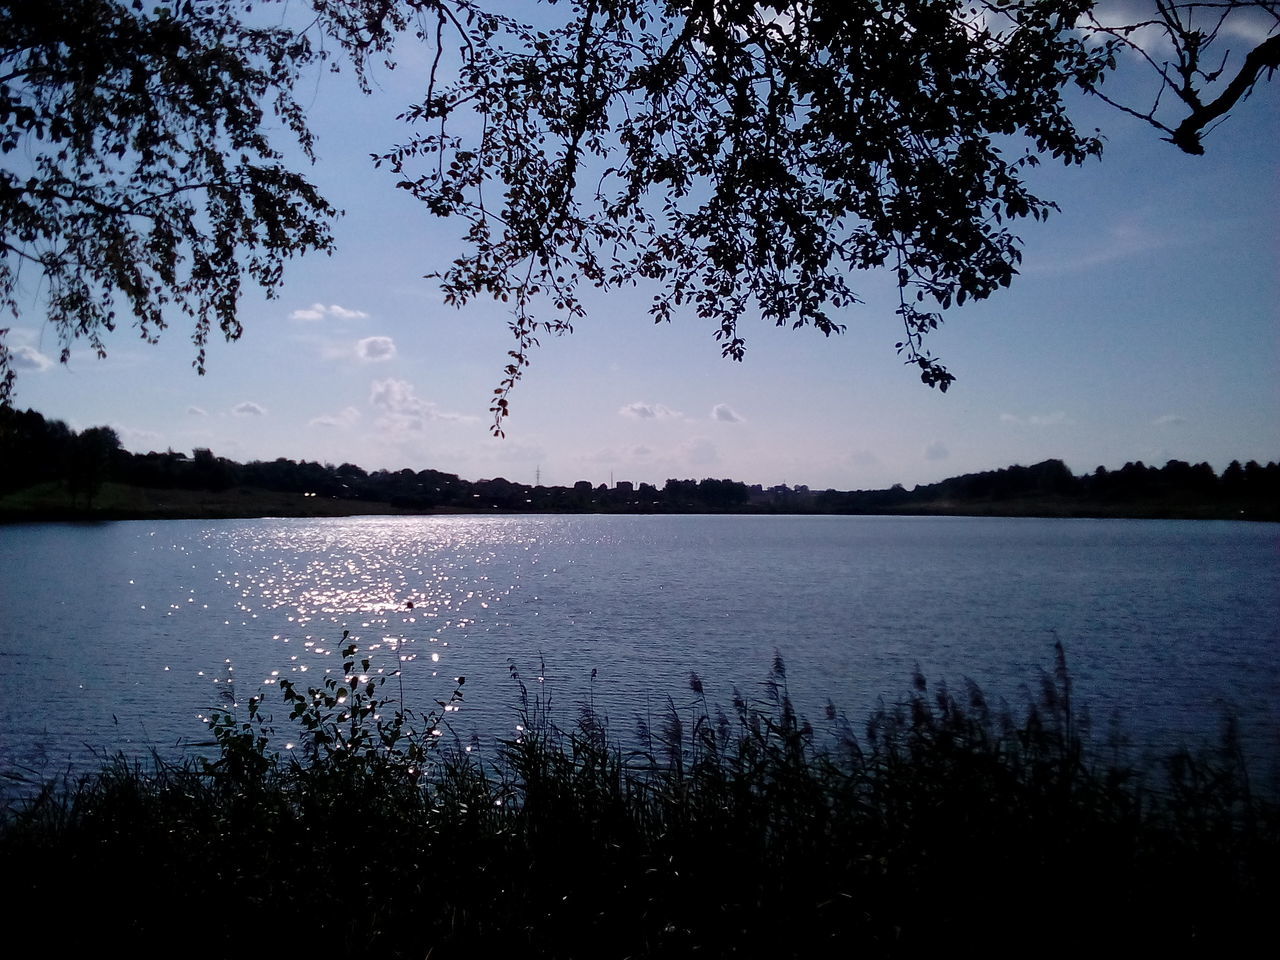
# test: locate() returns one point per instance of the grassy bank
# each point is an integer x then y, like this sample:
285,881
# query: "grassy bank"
349,825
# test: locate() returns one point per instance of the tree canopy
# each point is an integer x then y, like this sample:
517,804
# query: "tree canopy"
735,158
139,177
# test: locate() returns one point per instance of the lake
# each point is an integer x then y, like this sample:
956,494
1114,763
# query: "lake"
120,635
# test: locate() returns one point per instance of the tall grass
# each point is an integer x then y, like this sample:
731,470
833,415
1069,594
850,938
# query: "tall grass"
941,822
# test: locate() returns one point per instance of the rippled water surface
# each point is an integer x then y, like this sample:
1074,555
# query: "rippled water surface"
121,635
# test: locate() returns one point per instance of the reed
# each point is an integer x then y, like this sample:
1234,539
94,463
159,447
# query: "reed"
735,832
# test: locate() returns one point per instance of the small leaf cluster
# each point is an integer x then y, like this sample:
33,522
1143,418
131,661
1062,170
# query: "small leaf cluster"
345,724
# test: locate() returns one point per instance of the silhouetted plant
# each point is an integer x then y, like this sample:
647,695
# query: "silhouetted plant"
725,833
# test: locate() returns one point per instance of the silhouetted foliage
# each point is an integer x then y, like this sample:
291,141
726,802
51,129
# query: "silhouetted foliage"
735,158
94,456
139,176
32,448
1182,42
340,815
742,159
38,451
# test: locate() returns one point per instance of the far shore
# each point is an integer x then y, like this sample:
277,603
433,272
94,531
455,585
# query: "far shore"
51,503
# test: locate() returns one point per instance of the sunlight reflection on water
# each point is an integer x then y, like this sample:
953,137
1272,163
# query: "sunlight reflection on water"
121,635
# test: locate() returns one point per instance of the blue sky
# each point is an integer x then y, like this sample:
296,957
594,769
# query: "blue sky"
1143,326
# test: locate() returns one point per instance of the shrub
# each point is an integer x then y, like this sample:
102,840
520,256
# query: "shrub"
720,833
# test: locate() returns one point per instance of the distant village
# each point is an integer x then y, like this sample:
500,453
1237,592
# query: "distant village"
74,468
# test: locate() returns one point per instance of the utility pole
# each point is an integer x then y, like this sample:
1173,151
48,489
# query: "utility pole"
537,476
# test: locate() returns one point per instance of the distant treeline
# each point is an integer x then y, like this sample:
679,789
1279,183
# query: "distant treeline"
1176,489
36,451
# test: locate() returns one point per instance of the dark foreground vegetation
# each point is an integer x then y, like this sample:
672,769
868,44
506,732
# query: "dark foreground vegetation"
54,473
940,823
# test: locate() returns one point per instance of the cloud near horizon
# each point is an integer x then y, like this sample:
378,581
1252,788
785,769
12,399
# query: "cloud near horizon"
936,451
344,418
725,414
1169,420
649,411
318,311
404,409
249,409
138,440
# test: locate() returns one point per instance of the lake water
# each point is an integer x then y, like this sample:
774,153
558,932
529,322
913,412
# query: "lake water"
119,635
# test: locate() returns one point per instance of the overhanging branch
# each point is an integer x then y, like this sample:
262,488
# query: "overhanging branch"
1264,57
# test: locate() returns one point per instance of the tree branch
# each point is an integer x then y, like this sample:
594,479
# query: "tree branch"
1265,56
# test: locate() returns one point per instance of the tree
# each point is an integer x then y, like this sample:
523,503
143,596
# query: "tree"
743,157
1176,40
139,178
91,462
32,448
736,157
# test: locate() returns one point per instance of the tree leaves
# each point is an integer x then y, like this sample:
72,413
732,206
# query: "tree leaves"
747,159
737,159
142,180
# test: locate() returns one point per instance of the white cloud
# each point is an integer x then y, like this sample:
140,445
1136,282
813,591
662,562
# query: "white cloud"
936,451
197,411
394,396
314,312
318,311
403,409
248,409
132,439
649,411
1169,420
29,358
725,414
344,418
342,313
375,349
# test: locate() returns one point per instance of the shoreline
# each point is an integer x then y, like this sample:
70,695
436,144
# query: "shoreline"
137,503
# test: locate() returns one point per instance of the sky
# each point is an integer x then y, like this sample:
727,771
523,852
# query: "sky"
1143,326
